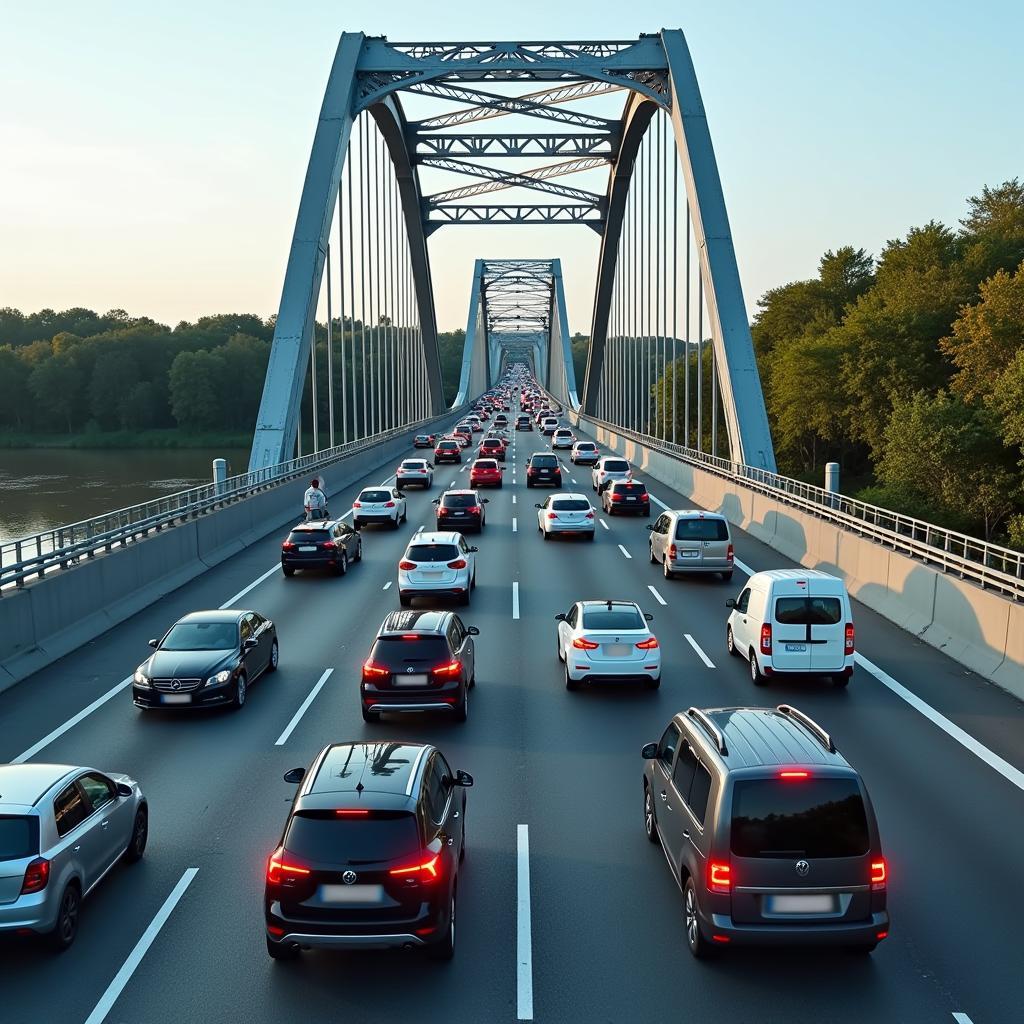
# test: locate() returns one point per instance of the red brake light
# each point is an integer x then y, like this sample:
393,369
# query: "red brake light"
589,515
345,813
280,868
552,515
650,644
849,638
410,636
766,638
406,565
427,871
730,554
581,643
459,563
37,874
879,872
371,669
329,544
357,504
451,668
616,496
719,876
288,546
473,510
794,775
672,553
389,504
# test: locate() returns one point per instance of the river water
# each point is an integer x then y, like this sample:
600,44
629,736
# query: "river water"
45,487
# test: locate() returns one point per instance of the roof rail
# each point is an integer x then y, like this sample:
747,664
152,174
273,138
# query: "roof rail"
809,724
710,728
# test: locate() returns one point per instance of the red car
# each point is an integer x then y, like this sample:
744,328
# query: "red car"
461,435
485,473
493,448
447,451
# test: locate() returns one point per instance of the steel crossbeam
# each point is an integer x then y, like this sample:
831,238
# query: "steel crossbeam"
513,145
524,213
535,178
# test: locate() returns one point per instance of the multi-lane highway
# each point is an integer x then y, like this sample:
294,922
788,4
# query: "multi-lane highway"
597,933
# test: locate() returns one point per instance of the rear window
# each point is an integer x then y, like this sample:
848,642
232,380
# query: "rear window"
448,444
613,618
308,536
486,464
801,611
702,529
458,500
585,446
19,837
622,488
414,464
398,650
432,553
375,496
571,505
809,818
544,461
327,840
616,465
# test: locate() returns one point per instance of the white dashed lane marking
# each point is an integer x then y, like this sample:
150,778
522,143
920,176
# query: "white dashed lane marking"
624,551
657,596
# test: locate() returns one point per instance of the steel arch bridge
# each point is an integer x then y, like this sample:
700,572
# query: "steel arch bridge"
365,181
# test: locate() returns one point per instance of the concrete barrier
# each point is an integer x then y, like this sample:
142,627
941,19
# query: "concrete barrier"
981,630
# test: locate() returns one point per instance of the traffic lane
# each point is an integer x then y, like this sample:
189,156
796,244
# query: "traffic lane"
237,980
82,677
911,776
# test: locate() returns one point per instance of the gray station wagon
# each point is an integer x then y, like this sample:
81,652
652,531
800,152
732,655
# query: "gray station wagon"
691,540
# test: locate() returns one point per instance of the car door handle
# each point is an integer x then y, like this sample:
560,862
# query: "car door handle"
455,814
686,835
449,840
105,824
664,795
75,849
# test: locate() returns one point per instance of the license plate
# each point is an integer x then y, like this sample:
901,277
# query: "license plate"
359,894
307,547
803,904
432,575
412,679
176,698
616,650
689,554
797,648
629,498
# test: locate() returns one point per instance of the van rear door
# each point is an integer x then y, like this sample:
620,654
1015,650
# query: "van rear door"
791,651
826,612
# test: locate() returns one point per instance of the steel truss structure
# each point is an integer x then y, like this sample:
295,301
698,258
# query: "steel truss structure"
545,82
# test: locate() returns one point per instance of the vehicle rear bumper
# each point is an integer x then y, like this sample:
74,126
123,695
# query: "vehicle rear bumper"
605,672
833,933
310,561
685,565
390,941
580,529
35,912
373,517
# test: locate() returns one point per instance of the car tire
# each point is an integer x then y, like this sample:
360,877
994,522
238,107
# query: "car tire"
358,557
288,571
570,683
464,599
275,656
62,936
462,708
357,524
544,533
590,537
394,522
730,642
405,514
341,568
445,948
404,600
727,576
472,582
140,835
558,648
241,691
862,948
650,816
283,950
695,941
370,716
841,680
653,684
756,676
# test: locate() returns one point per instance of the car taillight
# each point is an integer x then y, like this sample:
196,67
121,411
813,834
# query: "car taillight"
389,504
459,563
423,871
37,874
794,774
616,496
281,869
530,471
581,643
849,638
473,510
649,644
372,670
672,551
719,876
329,545
288,546
729,554
357,504
589,515
442,511
879,872
346,812
406,565
766,638
552,515
448,670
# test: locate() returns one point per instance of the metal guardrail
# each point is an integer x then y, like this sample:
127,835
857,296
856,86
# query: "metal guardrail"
63,546
990,565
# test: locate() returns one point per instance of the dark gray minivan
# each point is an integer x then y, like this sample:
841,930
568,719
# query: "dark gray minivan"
767,829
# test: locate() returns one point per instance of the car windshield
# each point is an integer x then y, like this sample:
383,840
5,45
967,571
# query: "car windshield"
702,529
201,636
613,618
814,611
375,496
320,839
616,465
544,461
19,836
432,553
459,500
805,818
571,505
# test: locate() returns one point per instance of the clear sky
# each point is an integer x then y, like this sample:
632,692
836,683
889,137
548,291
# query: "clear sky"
151,156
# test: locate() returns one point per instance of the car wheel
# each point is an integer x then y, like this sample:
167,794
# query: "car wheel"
342,568
462,708
66,928
370,716
357,524
756,676
404,600
405,514
590,536
558,647
863,948
283,950
840,680
472,582
653,684
650,819
445,948
699,946
727,576
241,690
358,557
140,834
288,570
730,641
570,683
394,522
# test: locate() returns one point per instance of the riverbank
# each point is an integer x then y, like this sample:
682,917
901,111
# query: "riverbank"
127,439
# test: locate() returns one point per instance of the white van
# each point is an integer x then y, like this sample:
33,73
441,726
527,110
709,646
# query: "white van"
793,620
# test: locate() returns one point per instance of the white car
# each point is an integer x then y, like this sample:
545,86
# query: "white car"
566,513
608,640
379,505
609,468
562,438
415,471
438,564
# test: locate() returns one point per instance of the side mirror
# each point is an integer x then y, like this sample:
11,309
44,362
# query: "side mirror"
650,526
472,631
535,505
474,549
436,501
154,642
124,790
399,494
463,779
430,464
731,603
649,751
560,617
648,616
250,644
485,501
295,775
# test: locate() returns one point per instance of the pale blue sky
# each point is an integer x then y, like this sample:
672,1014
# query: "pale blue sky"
152,157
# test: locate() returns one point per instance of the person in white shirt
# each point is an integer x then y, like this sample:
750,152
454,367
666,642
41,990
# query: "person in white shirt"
315,501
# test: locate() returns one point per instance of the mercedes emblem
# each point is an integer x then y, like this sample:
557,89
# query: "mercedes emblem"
803,869
349,877
175,684
409,669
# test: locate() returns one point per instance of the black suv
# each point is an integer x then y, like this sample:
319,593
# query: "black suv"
626,496
768,831
321,545
370,854
543,469
461,510
420,661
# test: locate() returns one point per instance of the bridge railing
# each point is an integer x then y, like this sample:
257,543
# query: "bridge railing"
62,546
989,565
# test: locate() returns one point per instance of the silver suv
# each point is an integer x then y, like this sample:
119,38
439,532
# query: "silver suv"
61,830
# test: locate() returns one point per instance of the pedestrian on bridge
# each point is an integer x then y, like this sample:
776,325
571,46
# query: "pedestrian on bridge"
315,501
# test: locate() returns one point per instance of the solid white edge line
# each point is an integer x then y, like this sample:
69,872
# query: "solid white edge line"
700,653
123,976
515,599
515,525
624,551
283,738
657,596
252,586
743,567
524,940
603,523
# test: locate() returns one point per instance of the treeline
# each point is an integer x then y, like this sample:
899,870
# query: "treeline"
77,371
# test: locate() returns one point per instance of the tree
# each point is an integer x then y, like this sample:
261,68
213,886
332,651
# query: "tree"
993,229
194,377
15,399
57,386
115,375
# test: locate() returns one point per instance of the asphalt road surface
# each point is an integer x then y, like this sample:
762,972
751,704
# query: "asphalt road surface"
567,913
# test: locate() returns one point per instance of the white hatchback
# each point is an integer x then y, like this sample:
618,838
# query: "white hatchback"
609,468
379,505
566,513
440,564
562,438
608,640
415,471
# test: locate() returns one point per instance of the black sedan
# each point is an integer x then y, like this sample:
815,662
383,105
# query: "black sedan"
207,659
328,544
